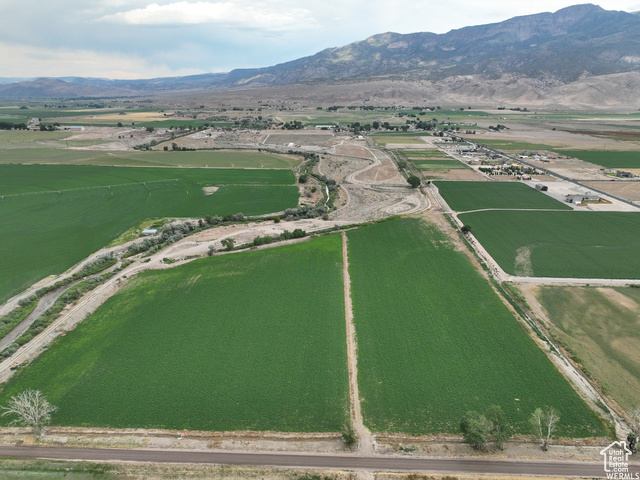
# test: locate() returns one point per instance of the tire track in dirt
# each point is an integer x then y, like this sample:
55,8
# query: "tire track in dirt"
365,439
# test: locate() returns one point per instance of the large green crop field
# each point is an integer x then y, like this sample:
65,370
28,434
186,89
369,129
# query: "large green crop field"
46,233
35,153
628,159
441,164
38,178
250,341
435,341
465,196
560,244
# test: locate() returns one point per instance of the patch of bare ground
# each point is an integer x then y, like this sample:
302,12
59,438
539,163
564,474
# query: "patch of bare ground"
627,190
365,444
180,439
338,166
311,192
116,138
351,150
210,190
543,135
383,171
519,447
542,178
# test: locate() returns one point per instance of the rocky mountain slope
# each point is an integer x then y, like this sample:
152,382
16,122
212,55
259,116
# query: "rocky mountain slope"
531,58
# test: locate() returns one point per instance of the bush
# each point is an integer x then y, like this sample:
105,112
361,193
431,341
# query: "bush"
304,211
414,181
262,240
476,429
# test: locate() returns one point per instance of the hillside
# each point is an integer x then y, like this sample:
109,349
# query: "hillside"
565,57
572,43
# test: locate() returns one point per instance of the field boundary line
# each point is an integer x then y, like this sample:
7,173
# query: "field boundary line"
514,210
365,439
88,188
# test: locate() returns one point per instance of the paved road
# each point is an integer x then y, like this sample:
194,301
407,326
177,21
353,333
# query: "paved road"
348,462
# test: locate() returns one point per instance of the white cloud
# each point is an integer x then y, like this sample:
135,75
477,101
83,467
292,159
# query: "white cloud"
259,15
39,62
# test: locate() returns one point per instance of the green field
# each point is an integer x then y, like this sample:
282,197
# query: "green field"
511,145
560,244
37,178
602,327
465,196
629,159
46,233
250,341
425,154
439,164
10,139
54,154
434,340
405,139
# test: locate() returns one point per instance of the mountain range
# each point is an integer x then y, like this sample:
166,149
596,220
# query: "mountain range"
581,51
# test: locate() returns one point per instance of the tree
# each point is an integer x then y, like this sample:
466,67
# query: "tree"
32,410
228,243
465,229
500,430
544,422
349,435
476,429
414,181
480,430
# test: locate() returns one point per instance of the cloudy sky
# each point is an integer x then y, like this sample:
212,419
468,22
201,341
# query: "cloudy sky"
155,38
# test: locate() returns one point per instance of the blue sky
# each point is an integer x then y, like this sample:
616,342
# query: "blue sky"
157,38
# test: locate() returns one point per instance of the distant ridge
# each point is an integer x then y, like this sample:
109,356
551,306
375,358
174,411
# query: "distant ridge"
547,51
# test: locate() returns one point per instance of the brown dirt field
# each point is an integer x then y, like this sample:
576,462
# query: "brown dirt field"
557,138
385,172
351,150
627,190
